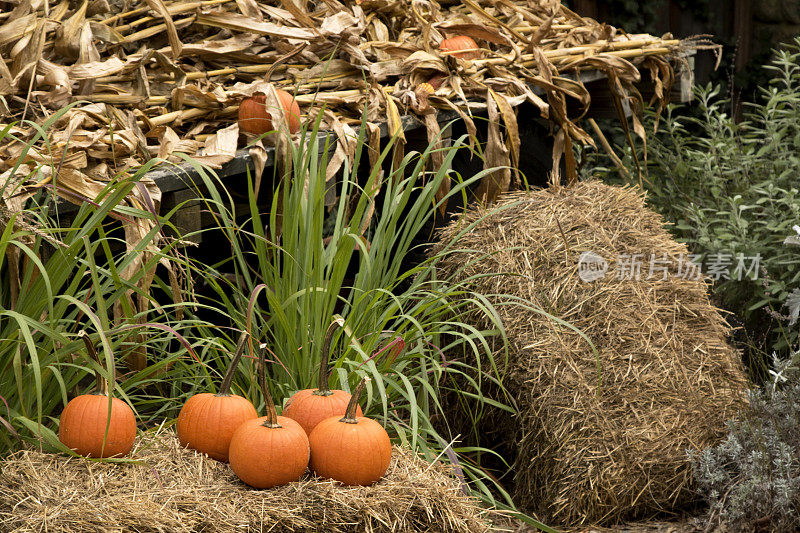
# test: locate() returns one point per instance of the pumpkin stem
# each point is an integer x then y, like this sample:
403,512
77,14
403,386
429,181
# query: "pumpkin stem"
323,389
272,413
350,412
102,385
224,389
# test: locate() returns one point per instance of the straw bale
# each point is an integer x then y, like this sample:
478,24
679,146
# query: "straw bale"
600,437
174,489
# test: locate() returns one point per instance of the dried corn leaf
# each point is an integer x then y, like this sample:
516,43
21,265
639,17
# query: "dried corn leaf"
6,79
224,47
511,131
220,147
298,12
496,157
241,23
437,159
16,28
396,132
68,35
167,143
96,69
249,8
172,32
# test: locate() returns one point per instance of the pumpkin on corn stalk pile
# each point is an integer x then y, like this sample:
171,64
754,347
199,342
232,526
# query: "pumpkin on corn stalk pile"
309,407
269,451
207,421
254,117
461,47
96,425
524,45
353,450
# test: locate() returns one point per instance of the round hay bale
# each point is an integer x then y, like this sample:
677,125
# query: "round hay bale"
618,377
179,490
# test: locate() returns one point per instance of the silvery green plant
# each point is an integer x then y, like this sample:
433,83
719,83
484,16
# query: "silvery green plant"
751,480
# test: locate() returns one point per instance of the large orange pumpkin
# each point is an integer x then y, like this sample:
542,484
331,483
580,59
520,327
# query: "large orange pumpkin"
254,117
85,425
207,421
269,451
353,450
454,45
309,407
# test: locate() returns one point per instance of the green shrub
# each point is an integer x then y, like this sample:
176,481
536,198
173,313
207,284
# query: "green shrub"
71,275
751,480
731,188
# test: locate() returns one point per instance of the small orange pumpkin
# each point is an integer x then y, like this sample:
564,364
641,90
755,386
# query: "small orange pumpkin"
207,421
454,46
255,118
85,425
353,450
309,407
269,451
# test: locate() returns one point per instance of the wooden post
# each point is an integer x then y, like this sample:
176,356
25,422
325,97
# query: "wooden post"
743,29
586,8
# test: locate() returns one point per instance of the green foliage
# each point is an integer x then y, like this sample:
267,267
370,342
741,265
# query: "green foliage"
71,277
751,480
289,284
730,188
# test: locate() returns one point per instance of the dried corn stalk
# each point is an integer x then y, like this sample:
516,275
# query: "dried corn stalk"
164,78
181,68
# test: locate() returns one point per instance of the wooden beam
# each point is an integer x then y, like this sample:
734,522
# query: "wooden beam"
743,30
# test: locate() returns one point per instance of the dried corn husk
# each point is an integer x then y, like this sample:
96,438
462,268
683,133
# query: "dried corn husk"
163,75
179,63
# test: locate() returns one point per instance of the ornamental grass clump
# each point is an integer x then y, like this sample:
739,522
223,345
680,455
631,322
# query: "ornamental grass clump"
104,265
300,263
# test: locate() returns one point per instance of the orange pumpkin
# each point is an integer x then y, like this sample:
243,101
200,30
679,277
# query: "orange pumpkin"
309,407
255,118
269,451
455,45
85,425
207,421
353,450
